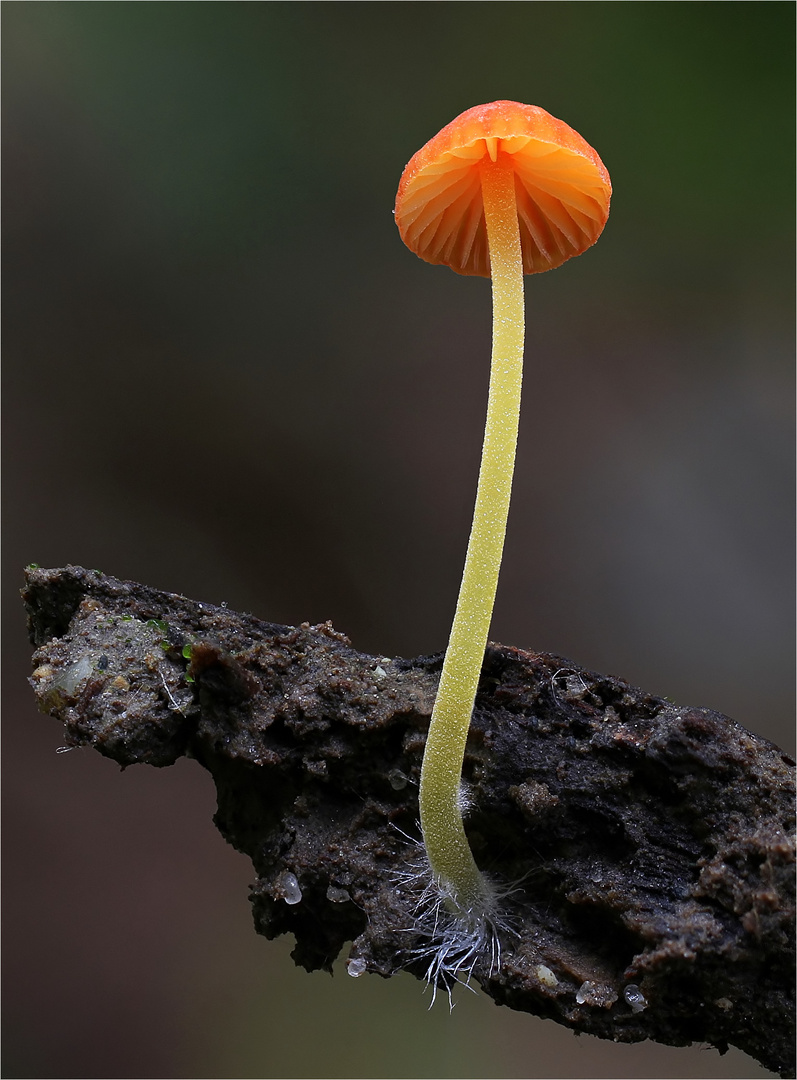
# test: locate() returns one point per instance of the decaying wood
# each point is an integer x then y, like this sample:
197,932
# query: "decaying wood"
650,844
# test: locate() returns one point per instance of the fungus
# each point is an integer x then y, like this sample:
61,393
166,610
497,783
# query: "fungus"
504,190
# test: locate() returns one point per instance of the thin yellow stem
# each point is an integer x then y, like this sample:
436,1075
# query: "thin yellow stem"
447,847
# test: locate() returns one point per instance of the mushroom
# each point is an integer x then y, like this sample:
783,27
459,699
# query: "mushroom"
504,190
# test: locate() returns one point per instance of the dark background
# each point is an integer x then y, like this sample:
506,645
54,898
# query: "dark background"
225,376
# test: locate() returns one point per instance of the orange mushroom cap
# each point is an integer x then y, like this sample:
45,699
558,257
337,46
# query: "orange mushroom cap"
562,189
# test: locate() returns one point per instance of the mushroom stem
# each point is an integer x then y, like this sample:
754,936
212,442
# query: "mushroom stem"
450,858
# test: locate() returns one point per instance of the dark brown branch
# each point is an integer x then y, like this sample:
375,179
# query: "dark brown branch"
651,842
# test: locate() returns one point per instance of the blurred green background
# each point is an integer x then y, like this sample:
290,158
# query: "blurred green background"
225,376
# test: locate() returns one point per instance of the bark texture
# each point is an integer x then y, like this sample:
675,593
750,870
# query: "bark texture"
649,844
